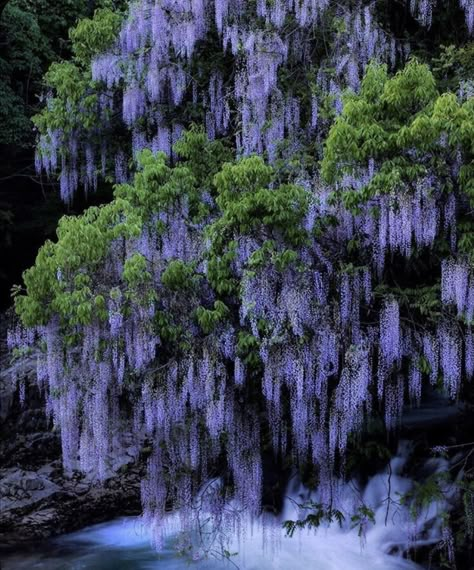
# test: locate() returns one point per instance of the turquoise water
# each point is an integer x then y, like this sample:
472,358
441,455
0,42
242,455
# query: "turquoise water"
124,545
118,545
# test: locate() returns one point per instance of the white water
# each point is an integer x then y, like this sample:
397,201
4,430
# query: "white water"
124,544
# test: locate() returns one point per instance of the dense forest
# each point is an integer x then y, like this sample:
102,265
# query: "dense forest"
253,230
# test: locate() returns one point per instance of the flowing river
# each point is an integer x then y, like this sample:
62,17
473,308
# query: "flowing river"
124,544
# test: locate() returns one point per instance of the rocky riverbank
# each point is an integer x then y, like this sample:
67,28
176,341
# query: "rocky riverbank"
37,500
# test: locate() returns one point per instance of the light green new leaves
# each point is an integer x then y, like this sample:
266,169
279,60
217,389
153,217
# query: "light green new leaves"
395,121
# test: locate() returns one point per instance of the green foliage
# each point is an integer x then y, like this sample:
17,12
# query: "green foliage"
378,123
205,158
454,66
71,82
156,185
219,271
424,493
67,279
135,271
281,260
167,332
247,176
423,300
15,125
248,202
178,276
27,51
33,34
95,35
396,121
361,517
209,319
260,257
248,348
320,514
82,244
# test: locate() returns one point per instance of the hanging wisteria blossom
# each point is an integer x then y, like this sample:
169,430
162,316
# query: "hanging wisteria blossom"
226,305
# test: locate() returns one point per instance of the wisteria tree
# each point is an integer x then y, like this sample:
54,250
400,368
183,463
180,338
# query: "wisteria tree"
236,296
238,68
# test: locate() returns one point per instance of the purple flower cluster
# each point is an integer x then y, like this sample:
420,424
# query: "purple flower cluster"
151,67
457,287
324,360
